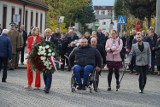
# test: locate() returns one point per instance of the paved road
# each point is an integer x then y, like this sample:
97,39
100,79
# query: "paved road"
12,93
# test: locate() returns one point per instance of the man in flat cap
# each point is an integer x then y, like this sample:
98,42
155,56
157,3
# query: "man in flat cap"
16,46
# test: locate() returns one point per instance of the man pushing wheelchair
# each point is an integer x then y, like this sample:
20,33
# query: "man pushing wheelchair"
84,59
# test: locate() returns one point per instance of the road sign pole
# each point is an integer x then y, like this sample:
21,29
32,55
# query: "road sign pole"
121,30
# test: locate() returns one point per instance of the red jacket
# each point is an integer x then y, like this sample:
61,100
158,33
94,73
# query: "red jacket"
30,42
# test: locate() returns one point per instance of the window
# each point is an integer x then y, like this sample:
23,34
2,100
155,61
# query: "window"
41,19
36,19
4,17
102,12
103,23
97,12
26,20
31,20
13,12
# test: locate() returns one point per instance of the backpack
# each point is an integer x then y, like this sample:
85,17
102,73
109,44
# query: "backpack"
123,51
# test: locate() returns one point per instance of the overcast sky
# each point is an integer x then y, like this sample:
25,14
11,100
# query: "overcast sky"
103,2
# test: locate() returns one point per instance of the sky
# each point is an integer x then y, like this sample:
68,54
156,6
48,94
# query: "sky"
103,2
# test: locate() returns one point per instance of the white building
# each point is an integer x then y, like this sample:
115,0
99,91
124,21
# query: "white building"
31,13
105,18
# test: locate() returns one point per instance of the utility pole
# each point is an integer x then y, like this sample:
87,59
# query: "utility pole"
157,30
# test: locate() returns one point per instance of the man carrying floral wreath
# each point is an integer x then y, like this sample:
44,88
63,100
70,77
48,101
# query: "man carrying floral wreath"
47,76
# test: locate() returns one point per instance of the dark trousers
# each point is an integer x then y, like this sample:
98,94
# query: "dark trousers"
152,64
63,61
47,80
132,65
142,76
22,54
4,64
116,72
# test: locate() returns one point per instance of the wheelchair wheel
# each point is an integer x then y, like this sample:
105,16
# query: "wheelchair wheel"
95,81
72,84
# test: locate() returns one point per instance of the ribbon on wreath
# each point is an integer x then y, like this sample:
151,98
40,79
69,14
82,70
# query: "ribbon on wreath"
54,61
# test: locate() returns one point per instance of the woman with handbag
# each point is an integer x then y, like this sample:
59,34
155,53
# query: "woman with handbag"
114,61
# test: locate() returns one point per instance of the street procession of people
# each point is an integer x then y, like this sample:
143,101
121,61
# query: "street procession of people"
65,51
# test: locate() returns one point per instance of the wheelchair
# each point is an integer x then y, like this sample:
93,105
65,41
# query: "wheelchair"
93,81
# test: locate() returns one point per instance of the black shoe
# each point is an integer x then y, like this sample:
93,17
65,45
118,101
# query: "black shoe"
46,91
109,89
22,63
84,87
140,91
79,87
62,69
137,73
69,69
11,69
118,86
3,80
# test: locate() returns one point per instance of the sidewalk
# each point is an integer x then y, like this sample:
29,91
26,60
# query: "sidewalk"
13,94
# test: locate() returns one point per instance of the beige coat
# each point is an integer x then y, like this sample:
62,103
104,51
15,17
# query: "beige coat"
16,40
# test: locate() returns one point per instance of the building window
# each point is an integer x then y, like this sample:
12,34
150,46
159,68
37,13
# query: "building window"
102,12
97,12
4,17
36,19
13,12
41,19
31,23
103,23
26,20
20,13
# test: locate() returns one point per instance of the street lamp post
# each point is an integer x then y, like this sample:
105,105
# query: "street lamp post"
111,25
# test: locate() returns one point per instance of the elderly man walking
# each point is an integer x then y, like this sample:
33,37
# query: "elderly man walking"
5,53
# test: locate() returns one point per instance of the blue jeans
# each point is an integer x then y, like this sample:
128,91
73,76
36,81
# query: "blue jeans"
47,80
86,70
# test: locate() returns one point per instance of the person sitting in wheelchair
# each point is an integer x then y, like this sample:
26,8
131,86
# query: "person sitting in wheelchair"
84,59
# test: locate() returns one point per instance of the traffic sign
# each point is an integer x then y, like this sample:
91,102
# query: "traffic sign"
121,20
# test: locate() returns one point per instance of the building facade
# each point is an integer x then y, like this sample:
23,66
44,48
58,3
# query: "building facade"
105,18
30,13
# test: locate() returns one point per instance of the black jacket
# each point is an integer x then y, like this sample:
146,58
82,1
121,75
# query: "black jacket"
69,39
157,51
102,52
85,56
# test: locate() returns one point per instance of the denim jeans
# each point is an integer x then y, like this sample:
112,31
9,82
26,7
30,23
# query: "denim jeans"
86,70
